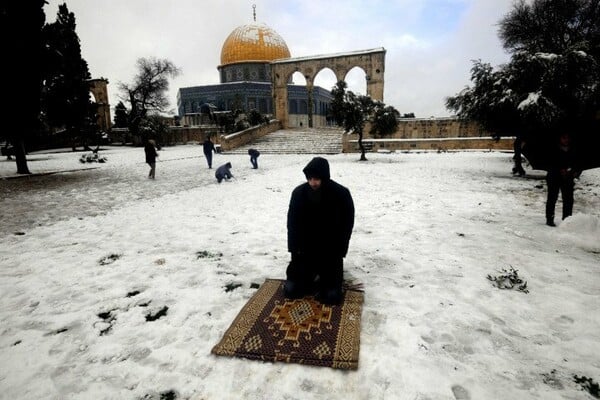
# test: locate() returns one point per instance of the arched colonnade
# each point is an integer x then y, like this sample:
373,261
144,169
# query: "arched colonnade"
371,61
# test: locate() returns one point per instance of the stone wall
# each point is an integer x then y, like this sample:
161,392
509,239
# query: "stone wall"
237,139
183,135
350,144
429,134
174,135
438,128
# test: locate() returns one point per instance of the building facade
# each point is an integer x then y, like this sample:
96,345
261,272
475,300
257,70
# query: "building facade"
245,81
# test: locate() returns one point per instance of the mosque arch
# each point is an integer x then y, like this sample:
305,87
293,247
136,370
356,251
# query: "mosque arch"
355,79
325,78
297,100
371,61
297,78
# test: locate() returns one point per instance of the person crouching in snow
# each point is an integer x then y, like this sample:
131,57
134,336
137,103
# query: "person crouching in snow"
319,224
223,172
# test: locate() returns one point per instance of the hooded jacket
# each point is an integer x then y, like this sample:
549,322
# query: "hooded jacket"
563,159
151,153
208,147
320,222
224,171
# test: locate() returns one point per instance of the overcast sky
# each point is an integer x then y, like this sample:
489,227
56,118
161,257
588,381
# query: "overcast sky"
430,43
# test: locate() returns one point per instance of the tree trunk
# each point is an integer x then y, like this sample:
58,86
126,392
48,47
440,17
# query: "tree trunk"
20,156
73,141
362,148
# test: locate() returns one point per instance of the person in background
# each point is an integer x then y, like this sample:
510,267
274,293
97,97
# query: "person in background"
208,148
561,177
319,224
254,157
151,154
223,172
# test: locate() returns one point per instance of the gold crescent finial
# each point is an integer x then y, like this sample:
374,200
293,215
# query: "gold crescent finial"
254,11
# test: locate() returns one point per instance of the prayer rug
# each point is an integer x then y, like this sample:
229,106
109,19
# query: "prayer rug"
272,328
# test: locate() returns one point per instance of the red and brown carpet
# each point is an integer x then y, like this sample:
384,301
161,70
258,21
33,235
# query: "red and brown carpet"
272,328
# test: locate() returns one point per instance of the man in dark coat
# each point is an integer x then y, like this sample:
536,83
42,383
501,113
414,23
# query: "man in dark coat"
561,177
223,172
319,225
151,155
254,157
208,147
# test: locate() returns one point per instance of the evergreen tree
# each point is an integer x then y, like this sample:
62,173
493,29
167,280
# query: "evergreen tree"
154,126
551,80
337,106
66,93
255,117
351,111
21,24
121,115
385,119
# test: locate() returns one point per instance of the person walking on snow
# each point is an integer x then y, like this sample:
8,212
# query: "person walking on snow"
561,177
151,154
208,148
254,157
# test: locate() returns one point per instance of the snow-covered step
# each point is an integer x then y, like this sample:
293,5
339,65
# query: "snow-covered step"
296,141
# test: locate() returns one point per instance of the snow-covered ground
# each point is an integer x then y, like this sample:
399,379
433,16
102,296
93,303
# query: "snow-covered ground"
87,256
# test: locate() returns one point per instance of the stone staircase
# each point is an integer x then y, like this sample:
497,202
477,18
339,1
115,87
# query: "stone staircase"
296,141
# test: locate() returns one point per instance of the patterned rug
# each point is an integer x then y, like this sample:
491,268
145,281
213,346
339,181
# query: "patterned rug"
272,328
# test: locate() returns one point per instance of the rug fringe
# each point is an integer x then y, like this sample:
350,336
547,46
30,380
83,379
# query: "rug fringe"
353,285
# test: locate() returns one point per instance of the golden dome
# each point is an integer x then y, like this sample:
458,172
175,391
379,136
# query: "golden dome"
253,42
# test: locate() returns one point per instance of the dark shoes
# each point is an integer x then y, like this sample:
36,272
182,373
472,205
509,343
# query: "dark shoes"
330,297
294,290
550,222
518,171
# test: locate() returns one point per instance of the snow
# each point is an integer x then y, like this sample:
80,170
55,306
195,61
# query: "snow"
89,252
532,99
259,31
546,56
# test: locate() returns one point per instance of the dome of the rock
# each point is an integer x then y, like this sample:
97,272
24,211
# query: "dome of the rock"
253,42
245,75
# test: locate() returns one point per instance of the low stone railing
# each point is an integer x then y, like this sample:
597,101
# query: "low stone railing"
350,144
237,139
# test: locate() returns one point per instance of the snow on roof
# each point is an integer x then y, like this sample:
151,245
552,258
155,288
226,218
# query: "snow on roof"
322,56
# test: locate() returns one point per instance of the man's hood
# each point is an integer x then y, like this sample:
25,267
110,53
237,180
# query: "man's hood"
318,167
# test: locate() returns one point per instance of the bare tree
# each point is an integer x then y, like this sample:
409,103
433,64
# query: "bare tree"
147,93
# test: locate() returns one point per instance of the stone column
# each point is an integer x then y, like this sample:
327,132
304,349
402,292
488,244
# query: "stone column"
280,95
309,93
375,76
